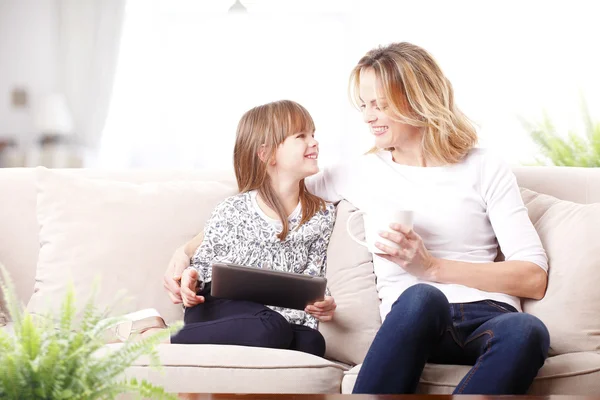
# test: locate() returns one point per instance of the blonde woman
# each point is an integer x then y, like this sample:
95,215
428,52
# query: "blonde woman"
273,223
443,298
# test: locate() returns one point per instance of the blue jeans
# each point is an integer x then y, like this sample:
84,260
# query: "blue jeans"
505,347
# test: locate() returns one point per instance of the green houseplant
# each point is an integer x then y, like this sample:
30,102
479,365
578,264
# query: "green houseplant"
45,358
575,150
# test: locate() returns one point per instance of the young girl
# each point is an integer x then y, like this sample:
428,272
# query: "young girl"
273,223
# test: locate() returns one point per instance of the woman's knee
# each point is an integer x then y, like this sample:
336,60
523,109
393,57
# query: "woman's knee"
535,333
526,334
421,310
420,299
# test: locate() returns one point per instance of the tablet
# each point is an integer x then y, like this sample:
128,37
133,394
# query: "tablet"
272,288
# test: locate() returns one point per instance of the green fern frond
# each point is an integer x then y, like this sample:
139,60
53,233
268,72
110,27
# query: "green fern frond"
46,358
13,306
143,388
575,150
68,310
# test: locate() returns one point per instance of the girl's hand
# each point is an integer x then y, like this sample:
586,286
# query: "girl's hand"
412,256
189,284
322,310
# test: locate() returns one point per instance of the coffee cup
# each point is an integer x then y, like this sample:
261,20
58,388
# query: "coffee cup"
379,220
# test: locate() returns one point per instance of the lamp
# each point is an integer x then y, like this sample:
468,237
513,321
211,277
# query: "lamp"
52,119
237,8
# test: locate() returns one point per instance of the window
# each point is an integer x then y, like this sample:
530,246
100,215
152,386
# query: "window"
188,70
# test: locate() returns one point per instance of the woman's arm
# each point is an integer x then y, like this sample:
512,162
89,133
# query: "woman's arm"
323,184
182,259
526,262
516,278
190,247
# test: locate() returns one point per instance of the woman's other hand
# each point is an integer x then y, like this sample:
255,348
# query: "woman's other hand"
172,277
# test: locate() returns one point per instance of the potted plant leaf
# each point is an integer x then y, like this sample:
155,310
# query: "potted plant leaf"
44,357
574,150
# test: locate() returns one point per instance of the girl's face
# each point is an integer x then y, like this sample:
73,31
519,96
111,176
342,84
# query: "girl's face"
374,106
297,156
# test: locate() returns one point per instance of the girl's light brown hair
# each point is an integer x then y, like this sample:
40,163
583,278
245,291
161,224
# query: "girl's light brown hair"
420,95
269,125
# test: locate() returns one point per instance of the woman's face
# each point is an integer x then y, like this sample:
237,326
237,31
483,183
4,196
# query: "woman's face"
374,107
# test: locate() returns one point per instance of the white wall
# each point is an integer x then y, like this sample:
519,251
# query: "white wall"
188,70
28,58
504,58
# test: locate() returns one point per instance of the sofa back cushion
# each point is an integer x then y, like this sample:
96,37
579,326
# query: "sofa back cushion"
570,234
351,280
19,229
121,233
19,242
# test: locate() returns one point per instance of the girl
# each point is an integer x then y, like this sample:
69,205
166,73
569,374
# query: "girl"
273,223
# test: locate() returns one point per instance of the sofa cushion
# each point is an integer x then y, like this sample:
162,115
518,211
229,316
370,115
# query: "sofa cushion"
567,374
571,307
122,233
238,369
19,244
352,283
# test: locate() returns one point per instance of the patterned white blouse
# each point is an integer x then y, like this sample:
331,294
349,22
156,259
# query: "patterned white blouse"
238,231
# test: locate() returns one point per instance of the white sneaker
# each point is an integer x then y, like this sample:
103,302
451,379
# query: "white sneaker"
136,323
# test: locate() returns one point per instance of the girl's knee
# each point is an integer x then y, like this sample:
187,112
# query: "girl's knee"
276,333
315,345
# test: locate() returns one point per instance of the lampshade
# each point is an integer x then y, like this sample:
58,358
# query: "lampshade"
52,115
237,8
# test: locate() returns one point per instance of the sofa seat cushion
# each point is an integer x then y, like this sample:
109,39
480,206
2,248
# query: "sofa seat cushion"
573,374
238,369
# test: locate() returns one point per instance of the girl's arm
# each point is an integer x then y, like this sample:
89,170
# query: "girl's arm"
215,243
317,252
317,266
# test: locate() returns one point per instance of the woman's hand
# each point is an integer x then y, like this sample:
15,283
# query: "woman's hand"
322,310
189,285
412,256
172,277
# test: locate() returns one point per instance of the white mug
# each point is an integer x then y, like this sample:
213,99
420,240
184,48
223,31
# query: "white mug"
377,221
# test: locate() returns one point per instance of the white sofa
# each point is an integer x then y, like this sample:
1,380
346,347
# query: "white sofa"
58,226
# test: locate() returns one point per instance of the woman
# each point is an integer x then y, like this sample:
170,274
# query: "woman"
443,298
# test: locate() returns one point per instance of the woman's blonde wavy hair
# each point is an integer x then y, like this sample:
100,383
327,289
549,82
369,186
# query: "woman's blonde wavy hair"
420,95
269,125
